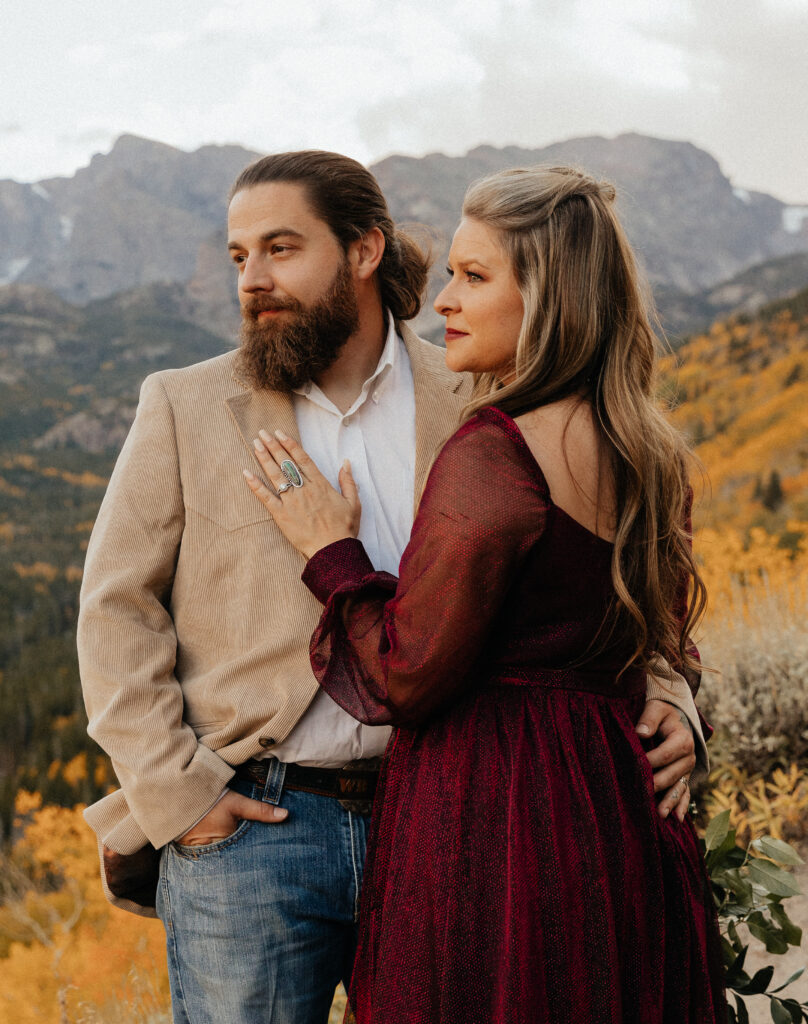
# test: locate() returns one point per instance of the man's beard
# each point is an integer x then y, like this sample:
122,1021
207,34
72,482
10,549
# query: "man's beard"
285,355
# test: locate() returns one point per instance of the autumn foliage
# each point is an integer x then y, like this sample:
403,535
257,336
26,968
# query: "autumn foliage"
740,392
67,954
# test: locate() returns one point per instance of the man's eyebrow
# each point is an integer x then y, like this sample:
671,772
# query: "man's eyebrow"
270,236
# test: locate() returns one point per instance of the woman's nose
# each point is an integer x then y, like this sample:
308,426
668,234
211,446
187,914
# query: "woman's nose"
444,301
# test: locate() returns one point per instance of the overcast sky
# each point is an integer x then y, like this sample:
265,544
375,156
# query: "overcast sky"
375,77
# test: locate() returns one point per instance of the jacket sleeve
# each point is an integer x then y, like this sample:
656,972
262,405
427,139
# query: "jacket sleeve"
678,684
671,686
126,640
394,650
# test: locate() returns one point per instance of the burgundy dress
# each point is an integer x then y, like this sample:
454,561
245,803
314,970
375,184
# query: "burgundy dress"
517,869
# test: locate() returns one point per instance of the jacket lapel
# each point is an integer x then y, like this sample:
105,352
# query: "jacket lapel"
253,410
439,399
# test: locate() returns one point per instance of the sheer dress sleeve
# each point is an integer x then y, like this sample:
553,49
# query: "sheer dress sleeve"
394,650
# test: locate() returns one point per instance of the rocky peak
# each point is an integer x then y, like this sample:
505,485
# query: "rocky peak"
147,212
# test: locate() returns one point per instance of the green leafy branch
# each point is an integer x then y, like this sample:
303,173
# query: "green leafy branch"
749,887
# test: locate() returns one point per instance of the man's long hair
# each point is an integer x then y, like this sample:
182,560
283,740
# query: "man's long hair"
587,331
347,197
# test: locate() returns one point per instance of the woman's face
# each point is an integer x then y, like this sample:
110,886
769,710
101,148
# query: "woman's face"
481,303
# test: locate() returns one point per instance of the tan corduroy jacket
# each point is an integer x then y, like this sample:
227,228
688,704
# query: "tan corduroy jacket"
194,626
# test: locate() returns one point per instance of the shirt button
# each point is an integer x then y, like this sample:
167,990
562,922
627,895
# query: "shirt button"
346,421
266,742
376,397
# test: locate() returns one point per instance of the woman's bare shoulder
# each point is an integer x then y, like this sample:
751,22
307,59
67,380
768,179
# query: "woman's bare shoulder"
564,440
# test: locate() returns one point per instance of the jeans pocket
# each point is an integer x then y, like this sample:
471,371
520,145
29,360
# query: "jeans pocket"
195,852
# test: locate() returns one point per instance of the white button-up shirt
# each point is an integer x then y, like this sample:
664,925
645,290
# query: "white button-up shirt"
377,434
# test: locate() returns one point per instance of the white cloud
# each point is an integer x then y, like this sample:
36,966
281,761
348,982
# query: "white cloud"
168,42
88,55
612,43
373,76
244,18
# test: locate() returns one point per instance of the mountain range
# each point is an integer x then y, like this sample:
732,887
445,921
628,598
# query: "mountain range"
148,214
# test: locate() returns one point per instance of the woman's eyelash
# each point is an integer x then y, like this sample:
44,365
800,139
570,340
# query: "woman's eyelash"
468,273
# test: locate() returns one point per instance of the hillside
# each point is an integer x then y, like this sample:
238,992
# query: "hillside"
69,380
70,375
683,313
741,394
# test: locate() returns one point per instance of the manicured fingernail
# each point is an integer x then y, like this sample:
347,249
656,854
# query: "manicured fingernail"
248,475
259,447
347,465
281,813
264,435
643,729
281,436
680,815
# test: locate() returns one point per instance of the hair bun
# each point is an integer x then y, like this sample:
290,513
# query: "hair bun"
607,191
587,185
574,182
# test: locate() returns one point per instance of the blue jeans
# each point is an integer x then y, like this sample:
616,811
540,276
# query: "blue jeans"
261,926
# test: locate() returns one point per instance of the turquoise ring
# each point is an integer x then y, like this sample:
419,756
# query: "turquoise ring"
292,473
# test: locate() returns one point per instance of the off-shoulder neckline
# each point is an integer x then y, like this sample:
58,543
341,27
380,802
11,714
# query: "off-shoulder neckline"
507,423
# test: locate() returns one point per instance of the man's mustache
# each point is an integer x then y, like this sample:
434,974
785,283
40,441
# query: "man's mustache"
262,304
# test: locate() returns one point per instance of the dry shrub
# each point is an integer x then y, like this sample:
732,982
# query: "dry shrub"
756,697
773,805
142,1002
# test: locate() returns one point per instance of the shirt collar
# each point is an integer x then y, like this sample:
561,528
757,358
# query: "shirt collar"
388,358
384,367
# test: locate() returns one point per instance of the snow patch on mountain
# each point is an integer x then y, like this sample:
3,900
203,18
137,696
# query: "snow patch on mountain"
794,218
13,268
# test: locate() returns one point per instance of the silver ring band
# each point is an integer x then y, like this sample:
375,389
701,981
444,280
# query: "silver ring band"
284,487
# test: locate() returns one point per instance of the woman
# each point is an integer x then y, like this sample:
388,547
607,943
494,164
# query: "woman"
517,869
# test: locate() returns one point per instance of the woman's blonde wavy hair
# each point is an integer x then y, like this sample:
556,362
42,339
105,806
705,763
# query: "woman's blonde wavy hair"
587,331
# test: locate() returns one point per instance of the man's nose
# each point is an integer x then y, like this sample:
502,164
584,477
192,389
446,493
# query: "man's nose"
255,276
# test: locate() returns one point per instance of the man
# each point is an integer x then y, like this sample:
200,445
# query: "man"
194,628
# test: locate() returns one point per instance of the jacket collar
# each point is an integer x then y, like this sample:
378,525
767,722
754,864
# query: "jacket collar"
439,398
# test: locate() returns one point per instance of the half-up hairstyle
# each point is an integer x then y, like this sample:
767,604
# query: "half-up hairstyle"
587,331
347,197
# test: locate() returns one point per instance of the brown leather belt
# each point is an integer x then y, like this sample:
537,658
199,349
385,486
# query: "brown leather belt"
354,785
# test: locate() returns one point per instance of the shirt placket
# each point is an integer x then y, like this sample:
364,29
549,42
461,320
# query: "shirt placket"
351,445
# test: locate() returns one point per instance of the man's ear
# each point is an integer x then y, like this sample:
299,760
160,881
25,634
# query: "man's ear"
365,254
